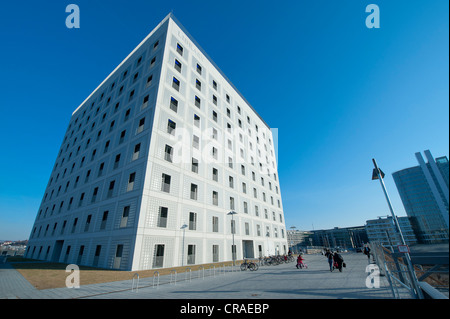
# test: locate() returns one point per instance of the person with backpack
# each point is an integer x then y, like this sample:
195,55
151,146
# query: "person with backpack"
339,261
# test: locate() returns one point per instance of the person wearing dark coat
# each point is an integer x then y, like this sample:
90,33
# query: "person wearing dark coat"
329,256
338,261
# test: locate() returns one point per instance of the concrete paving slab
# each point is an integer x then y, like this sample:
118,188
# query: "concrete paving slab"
269,282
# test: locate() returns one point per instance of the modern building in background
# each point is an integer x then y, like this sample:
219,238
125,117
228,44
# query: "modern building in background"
347,237
153,162
424,192
383,231
298,239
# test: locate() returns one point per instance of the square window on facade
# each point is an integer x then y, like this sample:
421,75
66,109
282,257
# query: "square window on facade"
177,65
165,185
176,84
194,165
173,104
197,101
162,217
171,126
179,49
194,192
192,221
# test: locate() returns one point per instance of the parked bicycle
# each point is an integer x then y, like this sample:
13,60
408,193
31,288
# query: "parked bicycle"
249,265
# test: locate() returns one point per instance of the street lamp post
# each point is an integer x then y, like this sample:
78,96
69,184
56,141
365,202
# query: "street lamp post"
378,174
233,229
182,248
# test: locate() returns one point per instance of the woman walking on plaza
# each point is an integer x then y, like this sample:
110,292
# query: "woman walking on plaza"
329,256
338,261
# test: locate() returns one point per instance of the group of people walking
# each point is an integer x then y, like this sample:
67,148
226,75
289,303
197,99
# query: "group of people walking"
335,261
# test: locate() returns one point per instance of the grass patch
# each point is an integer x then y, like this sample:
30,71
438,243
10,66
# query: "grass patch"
47,275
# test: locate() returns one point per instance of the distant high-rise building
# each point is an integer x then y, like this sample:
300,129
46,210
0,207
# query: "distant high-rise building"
153,162
424,191
383,230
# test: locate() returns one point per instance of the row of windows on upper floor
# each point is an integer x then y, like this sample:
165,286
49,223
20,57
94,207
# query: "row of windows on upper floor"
123,221
173,106
165,187
93,120
50,210
124,75
171,131
169,155
212,134
166,181
199,70
116,164
127,115
176,84
215,112
141,122
93,139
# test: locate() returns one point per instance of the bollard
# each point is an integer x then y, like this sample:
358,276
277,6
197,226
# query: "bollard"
136,275
153,282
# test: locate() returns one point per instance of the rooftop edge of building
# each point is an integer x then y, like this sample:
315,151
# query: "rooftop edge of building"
174,19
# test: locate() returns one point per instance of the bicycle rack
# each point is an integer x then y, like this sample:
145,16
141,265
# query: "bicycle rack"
135,277
153,283
202,273
173,275
190,274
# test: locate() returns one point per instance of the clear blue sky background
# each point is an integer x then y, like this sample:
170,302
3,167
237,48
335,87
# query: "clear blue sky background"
338,93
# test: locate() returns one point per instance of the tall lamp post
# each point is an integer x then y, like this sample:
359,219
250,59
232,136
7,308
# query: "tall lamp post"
182,248
378,174
233,230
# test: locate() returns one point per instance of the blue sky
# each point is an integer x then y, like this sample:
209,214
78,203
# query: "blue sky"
338,93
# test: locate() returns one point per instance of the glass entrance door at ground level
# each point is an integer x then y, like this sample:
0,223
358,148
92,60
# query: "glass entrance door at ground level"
247,248
57,250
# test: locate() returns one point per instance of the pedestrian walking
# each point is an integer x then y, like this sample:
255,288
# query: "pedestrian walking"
338,260
329,256
367,252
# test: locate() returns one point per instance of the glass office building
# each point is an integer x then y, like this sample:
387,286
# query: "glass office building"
424,192
384,231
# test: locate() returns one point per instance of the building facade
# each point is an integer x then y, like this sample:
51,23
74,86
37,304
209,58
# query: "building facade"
383,230
152,163
299,239
347,237
424,192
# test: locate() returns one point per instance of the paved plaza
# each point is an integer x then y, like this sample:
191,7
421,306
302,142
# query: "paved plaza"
269,282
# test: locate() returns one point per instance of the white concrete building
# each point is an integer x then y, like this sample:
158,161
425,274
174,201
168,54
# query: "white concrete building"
164,141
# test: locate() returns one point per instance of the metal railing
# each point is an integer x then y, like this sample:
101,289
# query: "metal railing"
396,271
190,274
202,271
173,276
135,277
155,274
